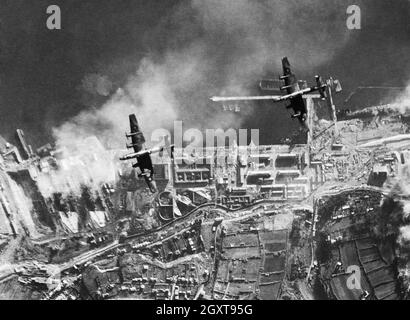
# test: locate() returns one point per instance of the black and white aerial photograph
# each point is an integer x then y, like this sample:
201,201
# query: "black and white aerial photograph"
223,151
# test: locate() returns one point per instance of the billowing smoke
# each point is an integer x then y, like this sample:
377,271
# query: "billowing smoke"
22,207
402,184
209,47
83,143
395,209
403,223
402,101
404,187
102,43
96,84
148,93
404,234
394,220
86,163
214,47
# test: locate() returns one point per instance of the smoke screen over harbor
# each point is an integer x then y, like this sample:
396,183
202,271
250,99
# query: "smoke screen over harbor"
173,56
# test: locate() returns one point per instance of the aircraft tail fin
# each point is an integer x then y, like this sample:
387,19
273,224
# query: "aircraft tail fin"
285,65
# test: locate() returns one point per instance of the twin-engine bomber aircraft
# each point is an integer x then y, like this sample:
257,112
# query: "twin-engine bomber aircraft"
142,155
294,93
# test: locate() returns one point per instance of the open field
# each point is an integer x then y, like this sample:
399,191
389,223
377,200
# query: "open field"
274,263
270,291
241,240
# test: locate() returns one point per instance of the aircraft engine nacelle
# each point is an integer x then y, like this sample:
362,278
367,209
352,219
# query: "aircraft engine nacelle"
137,137
284,77
130,135
130,146
283,88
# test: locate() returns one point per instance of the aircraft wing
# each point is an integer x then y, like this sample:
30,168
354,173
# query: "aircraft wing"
291,82
251,98
137,137
291,86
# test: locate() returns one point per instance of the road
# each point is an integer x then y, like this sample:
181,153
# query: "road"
8,271
305,291
5,273
83,258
